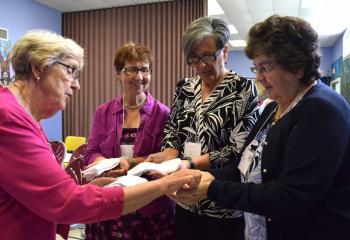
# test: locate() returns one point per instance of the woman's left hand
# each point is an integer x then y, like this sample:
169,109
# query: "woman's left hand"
195,194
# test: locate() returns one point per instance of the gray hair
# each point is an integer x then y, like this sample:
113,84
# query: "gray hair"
43,48
204,27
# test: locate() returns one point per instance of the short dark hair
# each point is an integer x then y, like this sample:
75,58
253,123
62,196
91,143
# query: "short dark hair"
291,41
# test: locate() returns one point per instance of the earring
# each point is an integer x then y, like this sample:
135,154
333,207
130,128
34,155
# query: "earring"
37,79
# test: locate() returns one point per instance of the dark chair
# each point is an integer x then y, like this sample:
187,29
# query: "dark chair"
59,150
78,153
74,168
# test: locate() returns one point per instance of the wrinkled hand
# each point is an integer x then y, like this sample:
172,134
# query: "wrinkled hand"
102,181
120,170
184,178
157,157
193,194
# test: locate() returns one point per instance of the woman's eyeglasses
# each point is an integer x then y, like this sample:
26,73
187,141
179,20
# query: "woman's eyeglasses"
73,72
266,68
133,71
207,58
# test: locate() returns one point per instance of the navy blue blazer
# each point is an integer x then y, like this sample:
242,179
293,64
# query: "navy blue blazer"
305,167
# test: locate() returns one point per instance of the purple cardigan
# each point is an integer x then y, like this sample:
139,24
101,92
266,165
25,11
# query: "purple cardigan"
106,132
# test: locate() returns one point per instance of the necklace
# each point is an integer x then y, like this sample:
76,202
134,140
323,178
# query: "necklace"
140,102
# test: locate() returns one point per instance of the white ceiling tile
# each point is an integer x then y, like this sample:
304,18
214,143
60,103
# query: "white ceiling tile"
287,12
233,6
261,15
118,3
259,5
239,18
286,4
236,37
94,4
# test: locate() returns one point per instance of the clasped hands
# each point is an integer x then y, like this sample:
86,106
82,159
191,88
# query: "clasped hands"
185,186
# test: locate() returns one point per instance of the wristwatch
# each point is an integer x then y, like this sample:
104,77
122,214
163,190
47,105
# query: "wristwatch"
192,164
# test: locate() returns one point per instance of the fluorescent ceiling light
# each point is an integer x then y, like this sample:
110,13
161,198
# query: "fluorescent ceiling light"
232,29
214,8
238,43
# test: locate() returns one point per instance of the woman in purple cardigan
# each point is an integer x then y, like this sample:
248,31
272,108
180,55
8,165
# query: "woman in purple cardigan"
131,126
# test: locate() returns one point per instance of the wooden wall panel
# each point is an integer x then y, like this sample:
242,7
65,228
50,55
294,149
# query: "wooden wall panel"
100,32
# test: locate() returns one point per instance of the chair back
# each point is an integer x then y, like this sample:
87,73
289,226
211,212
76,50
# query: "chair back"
59,150
74,169
73,142
79,152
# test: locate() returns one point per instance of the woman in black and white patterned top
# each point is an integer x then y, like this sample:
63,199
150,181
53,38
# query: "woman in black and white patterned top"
209,122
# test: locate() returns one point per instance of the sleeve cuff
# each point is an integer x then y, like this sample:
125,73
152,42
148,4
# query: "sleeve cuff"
112,202
213,190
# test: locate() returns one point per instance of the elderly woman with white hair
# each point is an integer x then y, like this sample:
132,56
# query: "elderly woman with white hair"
35,193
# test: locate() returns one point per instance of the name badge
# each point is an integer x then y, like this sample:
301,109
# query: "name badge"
192,149
246,161
127,151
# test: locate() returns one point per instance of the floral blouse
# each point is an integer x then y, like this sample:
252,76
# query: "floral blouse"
220,124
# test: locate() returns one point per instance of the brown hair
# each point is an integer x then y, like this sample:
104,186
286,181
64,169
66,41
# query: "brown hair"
291,41
131,52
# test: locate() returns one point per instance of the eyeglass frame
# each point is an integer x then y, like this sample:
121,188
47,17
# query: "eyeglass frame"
214,55
75,71
264,69
137,69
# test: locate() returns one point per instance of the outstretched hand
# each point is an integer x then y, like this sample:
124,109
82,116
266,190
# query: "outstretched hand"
118,171
102,181
182,179
190,195
158,157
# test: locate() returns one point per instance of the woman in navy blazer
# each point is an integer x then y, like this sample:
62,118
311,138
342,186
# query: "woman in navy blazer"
295,167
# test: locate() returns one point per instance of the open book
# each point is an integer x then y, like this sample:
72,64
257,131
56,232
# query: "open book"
163,168
126,181
102,166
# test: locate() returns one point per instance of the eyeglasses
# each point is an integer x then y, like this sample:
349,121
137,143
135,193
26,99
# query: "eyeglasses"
266,68
73,72
133,71
207,58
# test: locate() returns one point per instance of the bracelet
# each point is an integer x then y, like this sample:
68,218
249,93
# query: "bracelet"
192,164
132,162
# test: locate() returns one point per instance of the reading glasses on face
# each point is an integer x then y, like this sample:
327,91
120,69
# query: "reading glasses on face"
73,72
133,71
266,68
207,58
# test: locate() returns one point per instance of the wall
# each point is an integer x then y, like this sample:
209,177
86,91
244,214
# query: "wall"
326,61
337,49
238,62
19,16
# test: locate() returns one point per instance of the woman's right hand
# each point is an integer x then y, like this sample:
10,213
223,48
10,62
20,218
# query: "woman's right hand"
159,157
182,179
102,181
120,170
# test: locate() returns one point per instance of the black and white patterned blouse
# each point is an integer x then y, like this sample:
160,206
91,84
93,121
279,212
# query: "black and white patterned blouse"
221,124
